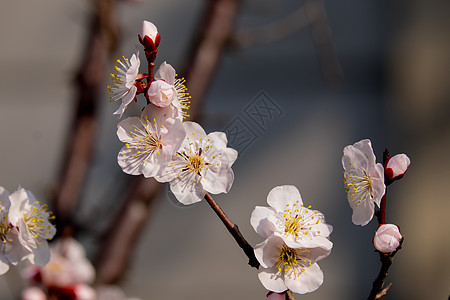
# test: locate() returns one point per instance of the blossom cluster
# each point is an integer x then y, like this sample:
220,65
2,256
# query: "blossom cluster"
25,228
160,143
296,238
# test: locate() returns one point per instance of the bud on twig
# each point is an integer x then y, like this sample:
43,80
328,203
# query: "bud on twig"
387,238
396,167
149,38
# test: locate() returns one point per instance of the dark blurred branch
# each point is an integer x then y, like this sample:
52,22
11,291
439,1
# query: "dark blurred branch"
120,238
213,34
119,241
311,14
321,34
272,32
101,41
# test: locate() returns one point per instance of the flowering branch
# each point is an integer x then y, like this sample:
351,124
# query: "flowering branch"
366,182
213,32
234,231
386,258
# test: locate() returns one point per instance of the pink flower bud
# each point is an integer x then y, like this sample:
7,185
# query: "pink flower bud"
149,36
387,238
397,166
161,94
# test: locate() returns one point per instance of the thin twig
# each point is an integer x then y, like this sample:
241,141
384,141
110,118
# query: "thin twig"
386,258
289,295
234,231
386,262
381,214
383,292
326,51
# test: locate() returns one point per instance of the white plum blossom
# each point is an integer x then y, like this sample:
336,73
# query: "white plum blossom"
68,274
397,166
151,140
387,238
289,219
202,164
123,82
11,250
364,180
283,267
167,90
68,265
33,222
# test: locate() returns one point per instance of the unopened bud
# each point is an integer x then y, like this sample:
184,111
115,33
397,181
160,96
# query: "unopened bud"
161,94
387,238
397,166
149,38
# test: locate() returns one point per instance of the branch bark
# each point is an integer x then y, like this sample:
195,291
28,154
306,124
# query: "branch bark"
377,287
234,231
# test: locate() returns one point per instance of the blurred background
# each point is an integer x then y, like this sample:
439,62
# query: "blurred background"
332,72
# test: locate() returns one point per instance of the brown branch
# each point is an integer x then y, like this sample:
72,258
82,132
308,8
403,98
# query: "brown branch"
234,231
383,292
121,237
213,32
289,295
386,261
101,41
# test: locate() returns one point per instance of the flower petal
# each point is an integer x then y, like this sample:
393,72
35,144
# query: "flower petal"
166,72
131,161
281,196
186,191
40,255
308,281
268,251
363,213
220,181
259,221
272,280
126,99
194,129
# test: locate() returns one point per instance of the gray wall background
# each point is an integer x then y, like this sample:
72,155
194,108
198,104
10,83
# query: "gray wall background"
395,60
